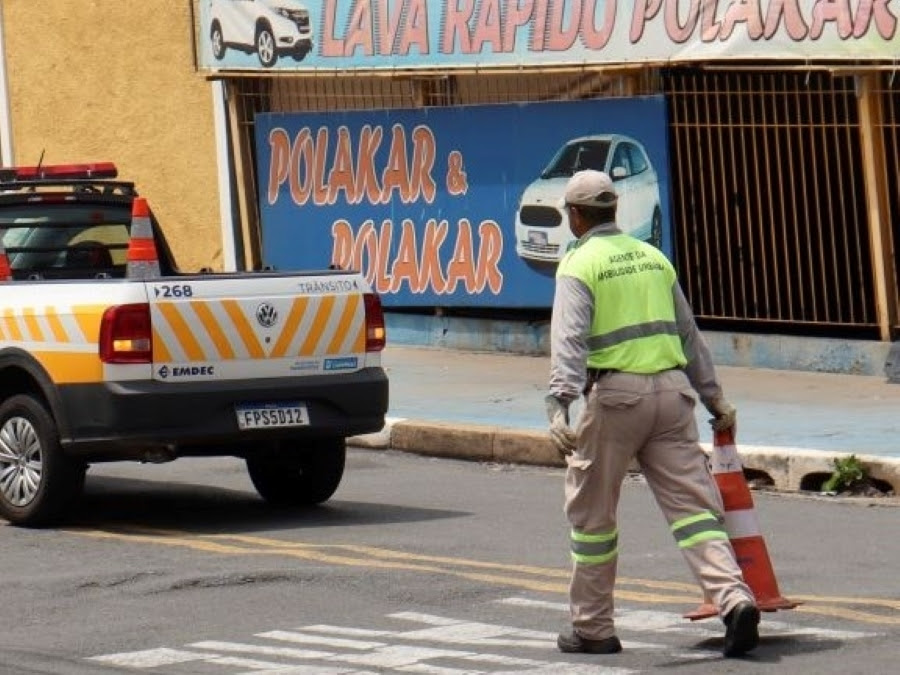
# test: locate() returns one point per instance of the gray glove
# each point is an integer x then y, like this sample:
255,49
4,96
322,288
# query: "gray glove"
560,432
724,414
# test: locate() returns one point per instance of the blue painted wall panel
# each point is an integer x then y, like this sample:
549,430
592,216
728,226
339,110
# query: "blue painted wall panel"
454,206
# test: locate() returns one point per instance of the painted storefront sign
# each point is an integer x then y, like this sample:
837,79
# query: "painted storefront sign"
453,206
391,34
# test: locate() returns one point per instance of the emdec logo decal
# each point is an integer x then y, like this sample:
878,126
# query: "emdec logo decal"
266,315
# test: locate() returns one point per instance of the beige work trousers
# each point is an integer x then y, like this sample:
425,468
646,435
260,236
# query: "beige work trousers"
649,418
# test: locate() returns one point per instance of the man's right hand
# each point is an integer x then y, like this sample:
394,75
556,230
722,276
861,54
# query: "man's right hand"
724,414
560,432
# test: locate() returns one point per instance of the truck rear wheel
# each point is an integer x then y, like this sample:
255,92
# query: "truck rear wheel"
299,477
37,481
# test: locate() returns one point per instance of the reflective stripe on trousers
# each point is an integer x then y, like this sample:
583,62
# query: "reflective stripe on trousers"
594,549
695,529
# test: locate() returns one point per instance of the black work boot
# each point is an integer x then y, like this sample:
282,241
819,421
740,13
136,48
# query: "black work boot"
573,643
741,633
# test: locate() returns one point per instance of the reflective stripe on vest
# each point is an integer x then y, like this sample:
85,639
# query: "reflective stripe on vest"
594,549
633,327
598,342
697,529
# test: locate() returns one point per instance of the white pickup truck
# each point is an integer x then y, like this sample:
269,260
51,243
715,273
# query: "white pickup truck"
99,362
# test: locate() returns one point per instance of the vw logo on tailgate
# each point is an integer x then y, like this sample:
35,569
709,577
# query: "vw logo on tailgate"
266,315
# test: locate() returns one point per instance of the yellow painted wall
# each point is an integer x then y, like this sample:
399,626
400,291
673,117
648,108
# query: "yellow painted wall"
115,80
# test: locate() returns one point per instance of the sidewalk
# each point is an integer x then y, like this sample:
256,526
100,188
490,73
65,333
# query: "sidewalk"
489,406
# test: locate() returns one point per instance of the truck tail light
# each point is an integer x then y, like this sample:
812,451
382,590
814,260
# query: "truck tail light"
125,334
375,332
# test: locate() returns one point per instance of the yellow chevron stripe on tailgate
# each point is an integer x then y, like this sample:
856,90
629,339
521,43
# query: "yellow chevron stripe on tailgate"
323,312
160,351
213,330
182,332
244,329
347,315
298,309
359,342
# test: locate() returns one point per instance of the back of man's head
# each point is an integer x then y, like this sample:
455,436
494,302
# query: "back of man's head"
593,194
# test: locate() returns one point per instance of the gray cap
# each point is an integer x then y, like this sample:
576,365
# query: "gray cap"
589,188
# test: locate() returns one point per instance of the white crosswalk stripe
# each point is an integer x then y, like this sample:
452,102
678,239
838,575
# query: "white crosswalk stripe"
436,645
150,658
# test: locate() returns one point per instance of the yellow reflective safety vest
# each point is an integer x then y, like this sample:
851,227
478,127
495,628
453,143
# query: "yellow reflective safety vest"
634,327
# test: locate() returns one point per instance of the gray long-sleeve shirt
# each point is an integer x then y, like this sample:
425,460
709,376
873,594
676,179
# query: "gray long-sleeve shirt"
570,326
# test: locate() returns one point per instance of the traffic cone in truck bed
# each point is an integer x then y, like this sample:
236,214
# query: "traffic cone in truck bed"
743,530
142,258
5,269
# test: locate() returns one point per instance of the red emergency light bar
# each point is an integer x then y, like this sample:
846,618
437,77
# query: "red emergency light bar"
59,172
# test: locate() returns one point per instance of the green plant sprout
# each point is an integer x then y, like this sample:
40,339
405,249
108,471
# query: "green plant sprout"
848,473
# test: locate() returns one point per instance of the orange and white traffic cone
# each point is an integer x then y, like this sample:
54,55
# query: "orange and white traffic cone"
5,268
142,258
743,530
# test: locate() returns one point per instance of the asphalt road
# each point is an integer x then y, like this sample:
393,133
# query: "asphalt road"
416,565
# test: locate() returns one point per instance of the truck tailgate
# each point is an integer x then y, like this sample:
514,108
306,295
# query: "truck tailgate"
267,326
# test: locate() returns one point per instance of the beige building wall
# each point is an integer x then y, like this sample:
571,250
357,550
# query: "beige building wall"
115,80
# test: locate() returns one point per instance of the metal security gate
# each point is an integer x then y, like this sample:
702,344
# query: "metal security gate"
889,93
771,221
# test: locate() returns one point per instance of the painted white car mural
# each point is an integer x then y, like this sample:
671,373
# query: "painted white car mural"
542,227
271,28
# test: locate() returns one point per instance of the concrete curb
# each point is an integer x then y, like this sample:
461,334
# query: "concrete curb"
786,469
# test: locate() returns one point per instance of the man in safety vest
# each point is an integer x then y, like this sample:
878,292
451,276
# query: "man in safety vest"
624,336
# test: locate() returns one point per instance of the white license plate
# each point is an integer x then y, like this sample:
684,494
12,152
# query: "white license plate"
272,416
536,237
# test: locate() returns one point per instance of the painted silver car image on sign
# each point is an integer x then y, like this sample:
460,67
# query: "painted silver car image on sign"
542,227
271,28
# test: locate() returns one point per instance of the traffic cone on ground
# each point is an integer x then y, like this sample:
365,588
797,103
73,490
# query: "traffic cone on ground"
5,268
142,258
743,530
